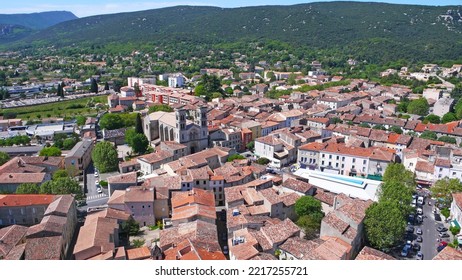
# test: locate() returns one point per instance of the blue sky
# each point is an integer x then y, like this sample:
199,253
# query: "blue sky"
82,8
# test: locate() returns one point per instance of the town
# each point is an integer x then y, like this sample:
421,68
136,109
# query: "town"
260,164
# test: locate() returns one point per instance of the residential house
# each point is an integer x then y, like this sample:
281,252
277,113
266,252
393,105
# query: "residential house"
138,202
196,204
23,209
12,242
79,157
121,182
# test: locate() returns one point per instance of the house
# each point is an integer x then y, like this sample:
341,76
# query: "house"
79,157
443,106
122,181
197,230
279,148
297,186
23,209
97,239
196,204
12,242
142,253
150,162
448,253
346,221
324,248
116,136
138,202
51,239
194,250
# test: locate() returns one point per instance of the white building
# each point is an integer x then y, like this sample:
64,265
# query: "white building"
176,81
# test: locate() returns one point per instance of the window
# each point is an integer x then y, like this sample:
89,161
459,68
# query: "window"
343,158
338,157
441,169
219,189
364,161
22,211
354,160
132,206
343,165
197,182
322,163
149,206
323,155
453,173
336,165
142,206
330,156
205,182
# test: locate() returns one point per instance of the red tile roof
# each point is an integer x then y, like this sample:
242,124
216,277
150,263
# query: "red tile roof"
9,200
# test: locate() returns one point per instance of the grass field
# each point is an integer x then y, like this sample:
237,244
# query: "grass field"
68,108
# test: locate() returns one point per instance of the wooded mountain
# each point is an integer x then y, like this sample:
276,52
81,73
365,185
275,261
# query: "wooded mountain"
16,26
384,31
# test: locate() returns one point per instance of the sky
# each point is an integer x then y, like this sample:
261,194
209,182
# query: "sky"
83,8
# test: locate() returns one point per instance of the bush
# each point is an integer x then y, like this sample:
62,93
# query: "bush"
137,243
263,161
235,156
445,212
454,230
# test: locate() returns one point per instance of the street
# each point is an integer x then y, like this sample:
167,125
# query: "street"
429,233
93,197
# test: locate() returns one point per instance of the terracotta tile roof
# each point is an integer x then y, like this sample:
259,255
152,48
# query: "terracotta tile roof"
263,257
243,251
324,196
49,225
138,253
298,247
314,146
139,194
297,185
44,248
368,253
9,200
196,230
17,253
457,198
448,253
195,250
127,178
443,162
281,231
117,197
195,196
196,210
60,206
424,166
335,222
156,157
355,209
19,178
10,237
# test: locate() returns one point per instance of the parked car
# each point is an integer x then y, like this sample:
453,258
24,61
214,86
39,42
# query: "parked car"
419,211
416,247
419,255
441,229
405,251
419,239
99,189
410,229
443,243
419,231
443,235
440,248
225,250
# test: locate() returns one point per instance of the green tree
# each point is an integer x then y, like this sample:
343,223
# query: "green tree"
262,161
444,188
111,121
384,225
139,143
138,124
60,173
448,139
105,157
250,145
60,90
396,172
448,117
130,227
235,156
160,107
106,86
67,186
310,224
28,188
307,205
80,120
138,243
129,135
4,158
399,193
69,143
46,188
428,135
396,129
94,86
50,152
432,118
418,107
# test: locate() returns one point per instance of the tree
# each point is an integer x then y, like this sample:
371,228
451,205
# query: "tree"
139,143
4,158
396,172
80,120
69,143
94,86
384,225
60,173
444,188
307,205
50,152
138,243
106,86
67,186
111,121
262,161
418,107
46,188
105,157
235,156
366,125
399,193
428,135
396,129
161,107
310,224
432,118
138,124
448,117
130,227
28,188
448,139
59,91
250,145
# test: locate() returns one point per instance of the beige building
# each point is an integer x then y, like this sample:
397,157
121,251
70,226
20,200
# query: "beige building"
79,157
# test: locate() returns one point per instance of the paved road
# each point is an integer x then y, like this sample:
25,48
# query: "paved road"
92,194
430,235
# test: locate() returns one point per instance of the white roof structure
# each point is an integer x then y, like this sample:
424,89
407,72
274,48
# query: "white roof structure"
352,186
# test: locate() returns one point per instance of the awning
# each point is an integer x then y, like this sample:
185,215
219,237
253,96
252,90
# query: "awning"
455,224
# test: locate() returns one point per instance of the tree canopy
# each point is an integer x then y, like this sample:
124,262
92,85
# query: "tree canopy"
105,157
160,107
418,107
4,157
235,156
307,205
444,188
396,172
50,152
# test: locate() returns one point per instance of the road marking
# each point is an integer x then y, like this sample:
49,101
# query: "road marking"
97,196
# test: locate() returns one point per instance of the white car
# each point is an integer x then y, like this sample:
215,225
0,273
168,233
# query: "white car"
96,174
99,189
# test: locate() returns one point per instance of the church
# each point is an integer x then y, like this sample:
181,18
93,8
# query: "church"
184,126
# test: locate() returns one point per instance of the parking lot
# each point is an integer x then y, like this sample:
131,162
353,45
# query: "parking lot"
424,237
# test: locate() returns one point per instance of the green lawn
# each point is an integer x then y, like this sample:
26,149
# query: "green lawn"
57,109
